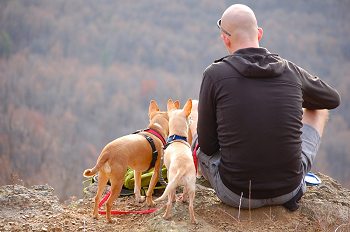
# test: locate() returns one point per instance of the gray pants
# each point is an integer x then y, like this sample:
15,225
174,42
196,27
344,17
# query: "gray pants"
208,165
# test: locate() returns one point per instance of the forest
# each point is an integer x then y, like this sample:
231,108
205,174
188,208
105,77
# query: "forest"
75,75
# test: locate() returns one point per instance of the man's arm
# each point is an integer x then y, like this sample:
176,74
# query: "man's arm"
317,94
206,127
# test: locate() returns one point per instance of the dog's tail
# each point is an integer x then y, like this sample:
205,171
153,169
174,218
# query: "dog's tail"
89,172
170,187
94,170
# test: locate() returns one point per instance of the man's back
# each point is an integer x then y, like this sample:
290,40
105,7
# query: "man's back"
257,98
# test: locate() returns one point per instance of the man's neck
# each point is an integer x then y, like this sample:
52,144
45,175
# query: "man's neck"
242,46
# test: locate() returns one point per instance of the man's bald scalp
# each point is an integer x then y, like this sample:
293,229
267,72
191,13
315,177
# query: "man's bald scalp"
240,21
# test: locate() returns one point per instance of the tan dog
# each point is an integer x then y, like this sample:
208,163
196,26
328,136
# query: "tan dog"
132,151
178,158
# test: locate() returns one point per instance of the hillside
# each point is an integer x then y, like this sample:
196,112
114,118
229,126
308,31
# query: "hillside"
323,208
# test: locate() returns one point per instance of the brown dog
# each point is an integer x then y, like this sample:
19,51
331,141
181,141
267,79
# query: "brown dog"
178,158
134,151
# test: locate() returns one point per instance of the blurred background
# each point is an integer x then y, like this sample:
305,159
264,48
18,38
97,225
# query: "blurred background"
75,75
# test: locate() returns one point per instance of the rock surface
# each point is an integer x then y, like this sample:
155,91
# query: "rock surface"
323,208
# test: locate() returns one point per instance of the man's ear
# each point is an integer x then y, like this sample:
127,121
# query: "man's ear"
260,33
226,40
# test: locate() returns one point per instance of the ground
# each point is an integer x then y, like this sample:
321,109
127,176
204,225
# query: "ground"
323,208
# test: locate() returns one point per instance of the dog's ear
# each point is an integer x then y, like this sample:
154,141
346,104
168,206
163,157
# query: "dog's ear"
177,104
188,107
152,107
171,105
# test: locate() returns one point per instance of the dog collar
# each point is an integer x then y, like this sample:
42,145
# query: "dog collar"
175,137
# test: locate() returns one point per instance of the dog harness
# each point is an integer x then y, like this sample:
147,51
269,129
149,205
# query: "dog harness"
175,138
150,140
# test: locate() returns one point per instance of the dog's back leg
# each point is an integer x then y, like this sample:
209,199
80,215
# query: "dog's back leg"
117,180
184,194
173,195
190,207
102,181
168,206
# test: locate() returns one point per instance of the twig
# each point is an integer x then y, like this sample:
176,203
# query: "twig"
340,226
239,208
250,215
143,218
269,216
14,177
296,227
229,214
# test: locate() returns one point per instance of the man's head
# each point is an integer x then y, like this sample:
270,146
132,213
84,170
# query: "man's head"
239,28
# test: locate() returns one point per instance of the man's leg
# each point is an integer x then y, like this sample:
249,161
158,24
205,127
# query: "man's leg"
314,122
315,118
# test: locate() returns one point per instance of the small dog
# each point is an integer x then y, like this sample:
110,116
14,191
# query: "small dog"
178,158
132,151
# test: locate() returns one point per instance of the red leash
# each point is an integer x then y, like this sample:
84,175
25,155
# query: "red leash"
104,199
125,212
194,154
122,212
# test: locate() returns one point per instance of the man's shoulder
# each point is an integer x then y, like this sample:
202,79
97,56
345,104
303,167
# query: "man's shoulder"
221,59
220,69
217,64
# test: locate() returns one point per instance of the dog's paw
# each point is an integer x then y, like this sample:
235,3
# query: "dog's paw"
166,216
111,220
194,221
140,198
150,202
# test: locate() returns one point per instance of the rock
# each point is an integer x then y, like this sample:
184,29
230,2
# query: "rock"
323,208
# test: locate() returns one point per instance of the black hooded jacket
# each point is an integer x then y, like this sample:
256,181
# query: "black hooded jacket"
250,107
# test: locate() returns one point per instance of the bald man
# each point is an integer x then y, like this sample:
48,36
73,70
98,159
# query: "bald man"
255,139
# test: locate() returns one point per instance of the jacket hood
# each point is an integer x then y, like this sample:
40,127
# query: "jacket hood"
256,62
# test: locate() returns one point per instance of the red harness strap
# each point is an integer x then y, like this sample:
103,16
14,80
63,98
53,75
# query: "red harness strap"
156,134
